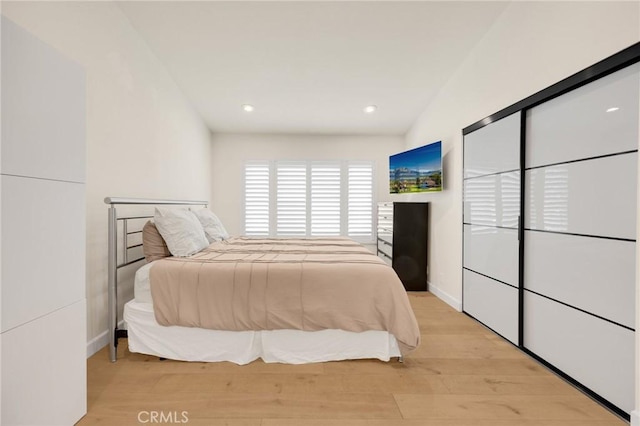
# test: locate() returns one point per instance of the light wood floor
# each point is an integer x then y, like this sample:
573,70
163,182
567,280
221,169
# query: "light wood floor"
462,374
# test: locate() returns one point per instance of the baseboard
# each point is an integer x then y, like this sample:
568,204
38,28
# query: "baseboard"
100,341
446,297
635,418
97,343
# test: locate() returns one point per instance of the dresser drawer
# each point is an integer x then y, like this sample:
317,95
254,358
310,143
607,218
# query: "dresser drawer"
385,248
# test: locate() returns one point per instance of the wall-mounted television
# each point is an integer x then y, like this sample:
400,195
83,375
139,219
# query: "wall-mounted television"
417,170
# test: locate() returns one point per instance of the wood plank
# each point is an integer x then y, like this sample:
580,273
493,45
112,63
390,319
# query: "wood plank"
249,383
452,366
448,322
314,406
506,385
364,366
465,346
300,383
500,407
401,382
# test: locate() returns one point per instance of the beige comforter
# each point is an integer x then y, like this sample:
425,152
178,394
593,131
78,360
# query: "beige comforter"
268,284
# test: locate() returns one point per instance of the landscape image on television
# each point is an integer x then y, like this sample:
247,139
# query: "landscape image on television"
417,170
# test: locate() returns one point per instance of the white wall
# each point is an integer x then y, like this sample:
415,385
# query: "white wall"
230,151
531,46
143,138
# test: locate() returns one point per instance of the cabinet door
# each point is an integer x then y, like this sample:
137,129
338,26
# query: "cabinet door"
43,224
43,109
44,381
492,188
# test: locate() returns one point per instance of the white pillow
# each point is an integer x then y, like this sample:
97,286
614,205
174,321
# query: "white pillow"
213,228
181,230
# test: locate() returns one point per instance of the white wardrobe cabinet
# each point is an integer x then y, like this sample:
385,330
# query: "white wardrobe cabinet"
549,226
42,220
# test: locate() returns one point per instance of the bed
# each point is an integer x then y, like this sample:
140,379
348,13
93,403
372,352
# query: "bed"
239,299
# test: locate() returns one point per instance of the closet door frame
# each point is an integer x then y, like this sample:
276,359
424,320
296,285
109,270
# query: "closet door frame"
607,66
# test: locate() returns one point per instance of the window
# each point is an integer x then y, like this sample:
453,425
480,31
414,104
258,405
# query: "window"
309,198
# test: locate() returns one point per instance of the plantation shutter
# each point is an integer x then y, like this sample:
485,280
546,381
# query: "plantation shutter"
360,200
309,198
325,198
291,199
256,204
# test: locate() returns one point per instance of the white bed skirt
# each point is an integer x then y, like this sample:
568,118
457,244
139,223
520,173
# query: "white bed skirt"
146,336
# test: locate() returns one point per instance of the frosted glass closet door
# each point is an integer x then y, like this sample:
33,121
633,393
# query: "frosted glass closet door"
491,211
580,228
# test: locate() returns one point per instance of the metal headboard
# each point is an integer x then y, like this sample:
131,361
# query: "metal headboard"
114,266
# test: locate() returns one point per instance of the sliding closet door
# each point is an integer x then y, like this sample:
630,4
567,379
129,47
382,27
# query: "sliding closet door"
490,229
579,234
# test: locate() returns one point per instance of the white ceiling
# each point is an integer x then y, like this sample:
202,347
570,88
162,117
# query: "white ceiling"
311,67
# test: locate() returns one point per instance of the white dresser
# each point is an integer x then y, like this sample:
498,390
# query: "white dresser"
385,232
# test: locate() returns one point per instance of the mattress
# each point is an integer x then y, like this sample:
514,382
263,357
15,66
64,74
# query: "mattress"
310,284
241,347
141,285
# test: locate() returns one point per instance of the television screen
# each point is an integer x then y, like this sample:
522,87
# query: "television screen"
417,170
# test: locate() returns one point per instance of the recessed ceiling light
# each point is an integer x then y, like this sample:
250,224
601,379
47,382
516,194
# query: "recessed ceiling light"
612,109
247,107
370,109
